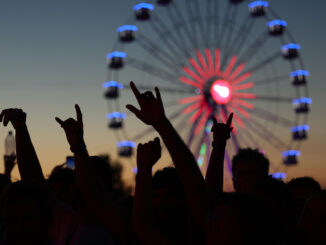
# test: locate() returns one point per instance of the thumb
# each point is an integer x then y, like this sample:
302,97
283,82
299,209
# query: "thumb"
133,110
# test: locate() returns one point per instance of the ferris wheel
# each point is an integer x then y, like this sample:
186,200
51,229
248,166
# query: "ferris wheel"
211,57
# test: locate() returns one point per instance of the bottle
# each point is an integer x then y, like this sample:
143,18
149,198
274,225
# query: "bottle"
10,145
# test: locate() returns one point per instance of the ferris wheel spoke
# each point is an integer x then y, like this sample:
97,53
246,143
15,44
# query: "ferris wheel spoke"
261,135
235,39
251,138
265,62
177,21
164,37
191,134
243,143
153,52
147,131
194,17
160,28
162,89
254,48
228,35
216,22
269,116
244,36
265,134
241,111
225,23
209,15
201,23
230,66
274,99
190,33
191,17
153,70
271,80
154,49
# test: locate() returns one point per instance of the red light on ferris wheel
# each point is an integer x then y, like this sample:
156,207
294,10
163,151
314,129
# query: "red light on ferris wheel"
221,92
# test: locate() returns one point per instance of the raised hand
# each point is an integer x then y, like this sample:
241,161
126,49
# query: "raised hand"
10,162
16,116
221,131
151,109
74,129
148,154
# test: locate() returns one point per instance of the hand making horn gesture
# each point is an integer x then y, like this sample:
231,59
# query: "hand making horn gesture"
74,130
221,131
17,117
151,110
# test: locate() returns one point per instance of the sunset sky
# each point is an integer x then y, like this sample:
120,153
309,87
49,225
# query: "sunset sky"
52,55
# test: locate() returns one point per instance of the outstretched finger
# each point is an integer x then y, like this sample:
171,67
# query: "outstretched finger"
215,120
135,90
2,115
133,110
158,96
79,114
229,122
6,119
59,121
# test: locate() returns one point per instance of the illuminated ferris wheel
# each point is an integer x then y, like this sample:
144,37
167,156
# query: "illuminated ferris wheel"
211,57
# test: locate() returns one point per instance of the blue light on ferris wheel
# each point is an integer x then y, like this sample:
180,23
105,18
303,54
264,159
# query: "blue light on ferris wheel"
291,153
116,115
300,73
144,6
116,54
277,23
113,84
126,144
291,46
302,100
300,128
258,4
127,28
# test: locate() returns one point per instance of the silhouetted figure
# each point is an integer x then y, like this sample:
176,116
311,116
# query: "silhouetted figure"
249,167
312,224
27,214
302,188
62,184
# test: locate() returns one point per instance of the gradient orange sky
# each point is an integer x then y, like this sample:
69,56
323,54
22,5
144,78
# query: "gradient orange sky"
52,55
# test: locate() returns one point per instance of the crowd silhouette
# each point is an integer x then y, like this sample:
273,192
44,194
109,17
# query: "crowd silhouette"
176,205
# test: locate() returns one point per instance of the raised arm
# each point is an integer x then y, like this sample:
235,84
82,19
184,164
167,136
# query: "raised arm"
214,174
98,200
147,155
28,163
152,113
9,164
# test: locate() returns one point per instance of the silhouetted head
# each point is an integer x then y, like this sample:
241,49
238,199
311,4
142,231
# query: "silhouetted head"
103,172
312,224
27,213
169,201
62,183
302,188
249,167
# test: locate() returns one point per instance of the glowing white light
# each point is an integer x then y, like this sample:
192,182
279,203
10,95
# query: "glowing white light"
222,90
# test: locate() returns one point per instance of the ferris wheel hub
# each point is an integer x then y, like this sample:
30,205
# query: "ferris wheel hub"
221,91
